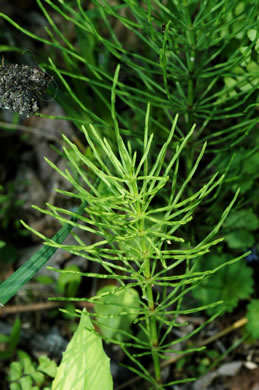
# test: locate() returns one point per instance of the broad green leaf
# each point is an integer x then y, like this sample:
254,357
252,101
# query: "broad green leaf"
230,284
84,365
117,311
242,219
240,239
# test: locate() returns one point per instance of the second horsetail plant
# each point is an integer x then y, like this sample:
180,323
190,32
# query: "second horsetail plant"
138,246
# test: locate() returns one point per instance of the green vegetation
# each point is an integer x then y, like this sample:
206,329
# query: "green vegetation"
165,97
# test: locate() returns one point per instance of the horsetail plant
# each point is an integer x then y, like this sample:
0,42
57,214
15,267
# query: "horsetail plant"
139,245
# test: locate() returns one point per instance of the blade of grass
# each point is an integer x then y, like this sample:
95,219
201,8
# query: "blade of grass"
27,271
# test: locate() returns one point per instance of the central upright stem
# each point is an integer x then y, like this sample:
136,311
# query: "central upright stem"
152,325
147,290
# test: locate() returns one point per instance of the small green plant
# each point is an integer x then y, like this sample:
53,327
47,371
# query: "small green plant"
27,375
